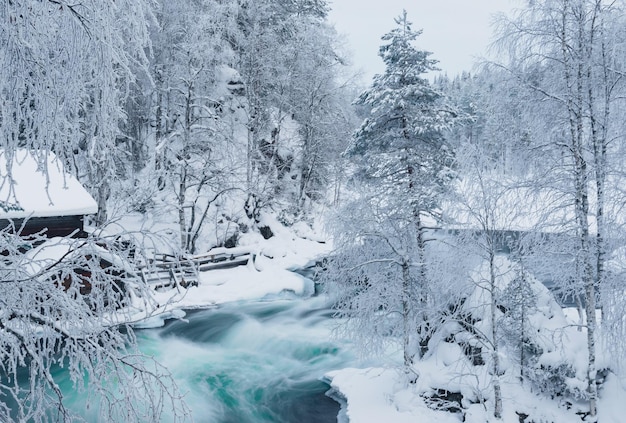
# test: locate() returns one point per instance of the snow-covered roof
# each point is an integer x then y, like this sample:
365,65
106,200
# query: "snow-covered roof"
34,184
508,205
501,205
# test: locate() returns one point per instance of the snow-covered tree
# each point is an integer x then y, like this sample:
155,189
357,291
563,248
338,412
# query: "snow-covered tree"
400,146
372,274
404,163
223,88
63,329
192,133
519,302
66,69
568,55
482,212
318,103
294,84
503,119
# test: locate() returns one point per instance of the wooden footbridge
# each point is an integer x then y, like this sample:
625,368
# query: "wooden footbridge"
168,271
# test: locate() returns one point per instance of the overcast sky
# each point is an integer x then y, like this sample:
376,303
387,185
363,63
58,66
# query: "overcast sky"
455,31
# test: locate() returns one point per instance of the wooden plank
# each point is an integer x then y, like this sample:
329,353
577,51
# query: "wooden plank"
239,261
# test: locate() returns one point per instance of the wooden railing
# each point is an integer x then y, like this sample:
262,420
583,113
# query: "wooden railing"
167,271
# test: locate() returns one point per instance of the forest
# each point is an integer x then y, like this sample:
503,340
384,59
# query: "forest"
477,216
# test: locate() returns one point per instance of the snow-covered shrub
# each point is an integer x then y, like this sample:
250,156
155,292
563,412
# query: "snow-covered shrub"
518,302
534,337
557,381
64,304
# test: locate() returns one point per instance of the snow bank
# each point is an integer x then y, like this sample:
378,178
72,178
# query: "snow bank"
448,378
236,284
612,400
269,274
378,395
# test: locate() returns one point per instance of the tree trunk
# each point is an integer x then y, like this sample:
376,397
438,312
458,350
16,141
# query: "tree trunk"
104,191
158,118
182,220
598,133
495,358
575,77
522,333
422,286
182,186
406,317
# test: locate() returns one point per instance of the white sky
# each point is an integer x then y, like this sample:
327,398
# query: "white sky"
455,31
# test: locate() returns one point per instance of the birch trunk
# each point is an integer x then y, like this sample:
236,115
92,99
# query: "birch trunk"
495,357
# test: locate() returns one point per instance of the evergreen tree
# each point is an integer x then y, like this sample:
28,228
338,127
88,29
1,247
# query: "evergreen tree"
402,141
404,162
401,144
520,301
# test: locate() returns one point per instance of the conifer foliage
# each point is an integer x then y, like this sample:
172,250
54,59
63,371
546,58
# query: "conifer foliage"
401,141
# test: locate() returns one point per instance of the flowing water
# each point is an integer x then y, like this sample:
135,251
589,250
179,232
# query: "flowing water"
247,362
253,361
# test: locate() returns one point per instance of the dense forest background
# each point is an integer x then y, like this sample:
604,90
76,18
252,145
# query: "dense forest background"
215,115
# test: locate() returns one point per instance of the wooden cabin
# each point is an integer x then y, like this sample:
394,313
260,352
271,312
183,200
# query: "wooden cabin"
37,195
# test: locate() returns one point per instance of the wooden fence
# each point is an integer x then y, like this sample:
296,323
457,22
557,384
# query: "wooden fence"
168,271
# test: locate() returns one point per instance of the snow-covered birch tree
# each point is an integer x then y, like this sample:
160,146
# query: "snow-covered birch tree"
66,351
566,53
66,69
192,139
373,276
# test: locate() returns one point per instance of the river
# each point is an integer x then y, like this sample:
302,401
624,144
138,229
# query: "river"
253,362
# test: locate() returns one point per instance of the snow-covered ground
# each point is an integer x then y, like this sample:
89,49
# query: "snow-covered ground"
380,395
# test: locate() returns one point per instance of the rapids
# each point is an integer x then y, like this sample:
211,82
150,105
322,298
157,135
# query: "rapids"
253,362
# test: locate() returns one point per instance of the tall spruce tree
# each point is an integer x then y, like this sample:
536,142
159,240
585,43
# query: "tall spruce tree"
404,162
401,142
